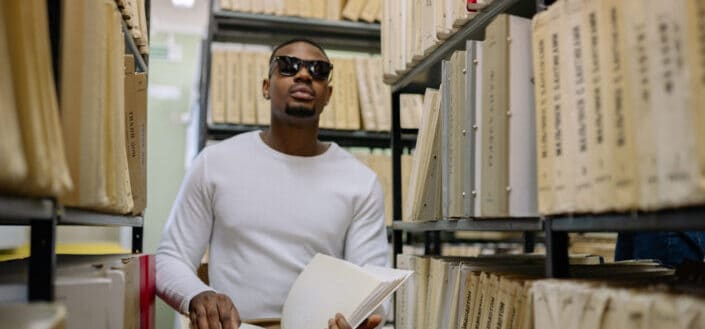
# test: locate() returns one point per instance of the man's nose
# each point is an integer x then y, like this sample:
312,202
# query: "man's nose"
303,74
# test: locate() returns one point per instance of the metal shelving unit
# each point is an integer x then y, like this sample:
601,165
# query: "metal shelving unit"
470,224
668,220
228,26
341,137
427,74
42,215
231,26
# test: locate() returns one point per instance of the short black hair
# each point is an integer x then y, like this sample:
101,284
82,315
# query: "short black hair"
295,40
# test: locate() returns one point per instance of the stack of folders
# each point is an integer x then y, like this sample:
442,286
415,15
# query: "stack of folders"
495,291
104,104
101,291
32,159
475,153
412,29
621,305
92,155
620,120
360,99
354,10
135,14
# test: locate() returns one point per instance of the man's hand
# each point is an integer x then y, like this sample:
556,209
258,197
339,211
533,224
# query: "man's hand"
340,323
210,310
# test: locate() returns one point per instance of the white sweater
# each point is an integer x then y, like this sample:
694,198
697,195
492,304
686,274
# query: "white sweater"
265,215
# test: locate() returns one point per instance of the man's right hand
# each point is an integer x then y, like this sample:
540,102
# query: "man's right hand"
210,310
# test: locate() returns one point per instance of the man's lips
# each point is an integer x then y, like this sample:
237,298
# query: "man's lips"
302,93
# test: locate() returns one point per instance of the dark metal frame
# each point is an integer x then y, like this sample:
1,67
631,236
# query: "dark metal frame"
43,215
226,26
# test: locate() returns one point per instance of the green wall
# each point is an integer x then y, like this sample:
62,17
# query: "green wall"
170,82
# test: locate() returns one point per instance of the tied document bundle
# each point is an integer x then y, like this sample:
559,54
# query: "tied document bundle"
328,285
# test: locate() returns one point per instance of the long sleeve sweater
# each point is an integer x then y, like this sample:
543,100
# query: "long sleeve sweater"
264,215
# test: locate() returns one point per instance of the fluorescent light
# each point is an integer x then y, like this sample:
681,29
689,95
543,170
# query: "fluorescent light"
183,3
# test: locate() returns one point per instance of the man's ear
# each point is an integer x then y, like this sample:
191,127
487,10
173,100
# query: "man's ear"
330,93
265,88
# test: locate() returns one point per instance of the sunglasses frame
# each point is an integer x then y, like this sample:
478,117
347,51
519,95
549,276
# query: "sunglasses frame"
298,63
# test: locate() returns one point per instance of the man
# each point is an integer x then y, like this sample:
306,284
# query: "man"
266,202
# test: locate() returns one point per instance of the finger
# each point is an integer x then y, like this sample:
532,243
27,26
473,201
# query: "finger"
342,323
212,317
201,321
332,324
226,314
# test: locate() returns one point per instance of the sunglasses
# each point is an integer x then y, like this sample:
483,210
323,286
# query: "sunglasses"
289,66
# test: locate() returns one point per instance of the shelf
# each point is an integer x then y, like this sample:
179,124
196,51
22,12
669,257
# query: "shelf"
71,216
426,73
345,138
239,27
682,219
22,210
495,224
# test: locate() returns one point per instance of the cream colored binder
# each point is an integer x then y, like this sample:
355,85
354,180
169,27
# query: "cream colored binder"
218,85
422,157
522,125
85,100
677,157
353,9
601,111
369,12
117,172
695,42
623,141
544,137
333,9
261,73
429,40
579,103
493,197
59,179
352,108
563,184
640,41
477,137
234,86
381,94
249,88
367,107
12,158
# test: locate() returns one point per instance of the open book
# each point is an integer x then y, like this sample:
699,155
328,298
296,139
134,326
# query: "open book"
329,285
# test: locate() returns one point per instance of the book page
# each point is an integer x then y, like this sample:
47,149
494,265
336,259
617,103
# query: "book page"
328,285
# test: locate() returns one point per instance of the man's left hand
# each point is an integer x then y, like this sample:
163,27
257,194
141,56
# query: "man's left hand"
340,323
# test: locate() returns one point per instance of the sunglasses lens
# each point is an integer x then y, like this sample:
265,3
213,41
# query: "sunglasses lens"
288,66
320,70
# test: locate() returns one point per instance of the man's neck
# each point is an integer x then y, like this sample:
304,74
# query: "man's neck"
298,141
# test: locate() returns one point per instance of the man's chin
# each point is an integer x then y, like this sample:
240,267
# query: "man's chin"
300,112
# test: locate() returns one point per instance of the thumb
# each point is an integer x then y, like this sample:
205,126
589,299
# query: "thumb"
372,322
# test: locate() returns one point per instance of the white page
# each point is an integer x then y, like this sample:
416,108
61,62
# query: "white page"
329,285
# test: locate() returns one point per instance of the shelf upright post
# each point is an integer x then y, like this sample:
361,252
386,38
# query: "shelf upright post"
556,252
42,260
396,145
529,242
137,234
432,243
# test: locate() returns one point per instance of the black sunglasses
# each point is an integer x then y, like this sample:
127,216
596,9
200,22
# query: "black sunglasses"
289,66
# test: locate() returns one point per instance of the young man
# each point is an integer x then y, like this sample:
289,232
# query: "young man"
266,202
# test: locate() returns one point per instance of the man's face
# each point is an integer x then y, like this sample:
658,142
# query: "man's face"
297,99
